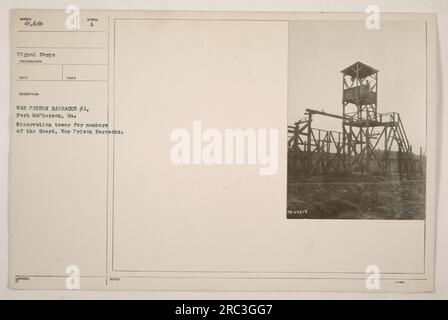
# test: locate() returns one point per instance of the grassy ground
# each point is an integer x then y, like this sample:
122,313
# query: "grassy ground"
356,198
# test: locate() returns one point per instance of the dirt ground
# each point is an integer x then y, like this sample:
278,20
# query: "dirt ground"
360,198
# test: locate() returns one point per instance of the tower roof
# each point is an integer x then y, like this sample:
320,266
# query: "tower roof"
363,70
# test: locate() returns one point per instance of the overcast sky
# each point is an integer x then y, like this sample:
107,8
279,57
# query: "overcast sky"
320,50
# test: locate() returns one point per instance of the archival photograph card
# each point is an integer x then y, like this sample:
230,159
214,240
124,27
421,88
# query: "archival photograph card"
220,151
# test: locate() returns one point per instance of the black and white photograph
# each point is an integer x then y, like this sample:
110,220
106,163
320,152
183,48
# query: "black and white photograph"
357,121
